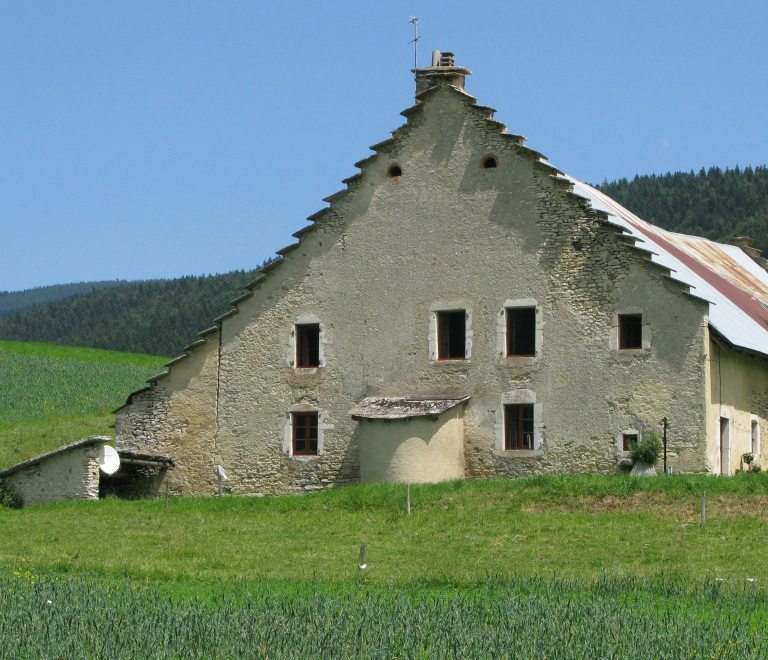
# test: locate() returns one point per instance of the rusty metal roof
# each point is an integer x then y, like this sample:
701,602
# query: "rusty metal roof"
724,275
376,407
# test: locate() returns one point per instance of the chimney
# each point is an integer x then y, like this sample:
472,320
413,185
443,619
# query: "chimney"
443,70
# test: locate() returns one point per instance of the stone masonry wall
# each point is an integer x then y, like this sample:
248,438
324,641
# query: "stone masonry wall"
68,475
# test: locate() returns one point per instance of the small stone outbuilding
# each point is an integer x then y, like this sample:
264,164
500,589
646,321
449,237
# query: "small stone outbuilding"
462,308
72,472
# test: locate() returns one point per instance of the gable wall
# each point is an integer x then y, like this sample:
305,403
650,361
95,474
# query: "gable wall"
176,417
449,233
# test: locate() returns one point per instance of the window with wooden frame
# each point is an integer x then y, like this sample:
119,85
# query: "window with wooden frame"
305,434
452,335
627,439
630,331
521,331
518,426
307,345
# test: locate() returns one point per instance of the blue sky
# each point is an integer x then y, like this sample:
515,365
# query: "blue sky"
159,139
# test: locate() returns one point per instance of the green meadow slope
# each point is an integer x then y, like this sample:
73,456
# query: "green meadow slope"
51,395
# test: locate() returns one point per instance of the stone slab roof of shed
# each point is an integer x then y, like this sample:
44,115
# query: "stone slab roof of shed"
90,440
378,407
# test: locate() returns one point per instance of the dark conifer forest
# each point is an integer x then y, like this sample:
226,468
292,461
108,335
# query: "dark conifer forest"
160,317
14,301
717,204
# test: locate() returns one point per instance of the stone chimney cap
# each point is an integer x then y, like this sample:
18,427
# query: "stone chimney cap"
443,68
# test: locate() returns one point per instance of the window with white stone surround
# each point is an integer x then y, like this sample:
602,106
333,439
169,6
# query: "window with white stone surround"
450,331
306,428
519,425
519,331
307,344
631,333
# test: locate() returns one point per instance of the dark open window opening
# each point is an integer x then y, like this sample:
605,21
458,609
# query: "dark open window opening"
521,331
305,434
518,427
451,335
395,170
627,439
489,162
308,345
630,331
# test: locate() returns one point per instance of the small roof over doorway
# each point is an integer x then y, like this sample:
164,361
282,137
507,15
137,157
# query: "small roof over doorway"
376,407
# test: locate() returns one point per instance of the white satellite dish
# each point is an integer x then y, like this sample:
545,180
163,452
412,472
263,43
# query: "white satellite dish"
109,460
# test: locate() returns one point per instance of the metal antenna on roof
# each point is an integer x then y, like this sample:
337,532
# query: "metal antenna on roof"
415,42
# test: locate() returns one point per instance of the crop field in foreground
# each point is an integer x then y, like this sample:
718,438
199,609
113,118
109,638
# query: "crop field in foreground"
52,395
528,618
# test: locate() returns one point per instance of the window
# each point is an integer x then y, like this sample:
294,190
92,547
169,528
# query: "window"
395,171
518,427
308,345
630,331
451,335
627,439
521,331
490,162
305,434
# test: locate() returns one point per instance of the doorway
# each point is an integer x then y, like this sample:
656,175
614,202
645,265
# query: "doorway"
725,447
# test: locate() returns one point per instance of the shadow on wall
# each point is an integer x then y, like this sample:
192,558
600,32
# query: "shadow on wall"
412,450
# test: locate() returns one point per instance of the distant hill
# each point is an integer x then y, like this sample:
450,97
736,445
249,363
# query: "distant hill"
15,301
156,318
714,203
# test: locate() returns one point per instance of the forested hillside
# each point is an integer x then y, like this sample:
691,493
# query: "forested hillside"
14,301
157,318
715,204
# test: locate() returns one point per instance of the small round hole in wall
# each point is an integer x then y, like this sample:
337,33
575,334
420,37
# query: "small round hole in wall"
394,170
489,162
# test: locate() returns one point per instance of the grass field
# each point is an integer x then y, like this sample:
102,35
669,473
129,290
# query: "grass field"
548,567
573,567
459,532
52,395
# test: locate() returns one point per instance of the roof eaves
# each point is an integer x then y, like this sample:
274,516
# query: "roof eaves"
241,299
287,249
226,315
181,357
154,379
271,265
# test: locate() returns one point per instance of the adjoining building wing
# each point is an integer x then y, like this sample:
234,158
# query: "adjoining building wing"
734,284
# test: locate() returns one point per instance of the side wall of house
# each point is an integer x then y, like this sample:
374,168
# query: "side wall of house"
176,417
69,475
738,407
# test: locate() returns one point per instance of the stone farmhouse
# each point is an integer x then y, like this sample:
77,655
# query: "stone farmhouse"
464,309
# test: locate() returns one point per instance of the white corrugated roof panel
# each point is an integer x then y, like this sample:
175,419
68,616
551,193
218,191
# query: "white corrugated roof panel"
721,274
